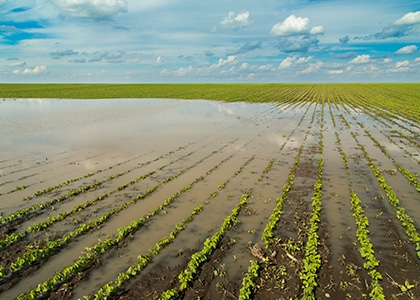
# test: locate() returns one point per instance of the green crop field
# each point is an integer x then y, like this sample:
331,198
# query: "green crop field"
268,191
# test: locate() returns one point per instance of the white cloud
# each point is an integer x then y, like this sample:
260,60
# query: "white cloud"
407,50
289,61
361,59
400,64
244,66
317,30
17,64
178,72
234,22
250,76
387,60
94,9
36,70
312,68
410,18
266,67
335,72
158,62
231,60
293,25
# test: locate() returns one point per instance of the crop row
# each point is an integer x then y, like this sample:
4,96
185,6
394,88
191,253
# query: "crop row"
198,258
312,259
407,174
366,248
406,221
274,218
362,234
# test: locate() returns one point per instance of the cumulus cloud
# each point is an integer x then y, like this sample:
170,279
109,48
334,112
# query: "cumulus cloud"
289,61
400,64
230,60
293,26
267,67
295,34
312,68
335,72
178,72
361,59
409,19
91,9
244,66
36,70
407,50
235,22
158,62
17,64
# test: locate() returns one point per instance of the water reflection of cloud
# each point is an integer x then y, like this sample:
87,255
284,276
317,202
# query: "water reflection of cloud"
43,102
276,139
224,108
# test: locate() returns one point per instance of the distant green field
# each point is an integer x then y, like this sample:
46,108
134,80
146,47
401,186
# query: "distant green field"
403,98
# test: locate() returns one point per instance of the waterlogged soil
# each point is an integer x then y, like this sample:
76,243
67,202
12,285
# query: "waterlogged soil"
83,159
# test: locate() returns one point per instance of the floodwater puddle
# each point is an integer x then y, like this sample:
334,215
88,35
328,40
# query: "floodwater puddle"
112,163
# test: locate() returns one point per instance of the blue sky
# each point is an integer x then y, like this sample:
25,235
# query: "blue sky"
209,41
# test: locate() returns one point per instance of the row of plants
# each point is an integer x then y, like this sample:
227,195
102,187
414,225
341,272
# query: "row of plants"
93,253
413,178
312,259
362,234
46,204
406,221
248,282
268,233
198,258
113,286
366,247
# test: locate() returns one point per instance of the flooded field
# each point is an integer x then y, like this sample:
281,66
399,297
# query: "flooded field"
314,195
